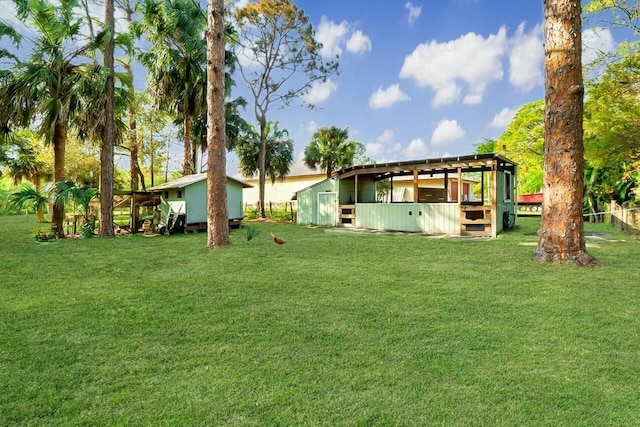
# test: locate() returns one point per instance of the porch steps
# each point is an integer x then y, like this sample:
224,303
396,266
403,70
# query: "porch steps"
347,215
475,220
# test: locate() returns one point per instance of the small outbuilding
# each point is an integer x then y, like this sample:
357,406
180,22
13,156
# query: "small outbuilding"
476,196
187,196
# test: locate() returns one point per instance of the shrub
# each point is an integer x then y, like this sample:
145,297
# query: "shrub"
45,236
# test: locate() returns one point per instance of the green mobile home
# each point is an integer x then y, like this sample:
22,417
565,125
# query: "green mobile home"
188,195
351,198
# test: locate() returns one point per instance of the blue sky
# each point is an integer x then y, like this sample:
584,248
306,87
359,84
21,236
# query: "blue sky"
418,78
422,79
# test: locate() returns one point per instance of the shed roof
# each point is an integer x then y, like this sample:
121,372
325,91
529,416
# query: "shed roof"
295,195
187,180
468,163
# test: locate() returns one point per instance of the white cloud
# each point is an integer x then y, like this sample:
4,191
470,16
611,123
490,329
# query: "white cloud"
447,94
320,91
442,66
239,4
596,41
414,12
380,146
503,118
526,58
375,149
447,132
383,98
336,37
359,43
312,126
247,58
386,137
332,36
416,149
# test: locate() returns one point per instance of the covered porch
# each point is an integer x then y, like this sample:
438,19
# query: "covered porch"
482,206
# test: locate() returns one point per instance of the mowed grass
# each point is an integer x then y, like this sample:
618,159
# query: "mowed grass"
331,328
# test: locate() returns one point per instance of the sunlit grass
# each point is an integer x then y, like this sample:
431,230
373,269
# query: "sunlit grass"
331,328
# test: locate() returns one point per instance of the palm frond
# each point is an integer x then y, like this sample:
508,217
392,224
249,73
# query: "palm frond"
27,194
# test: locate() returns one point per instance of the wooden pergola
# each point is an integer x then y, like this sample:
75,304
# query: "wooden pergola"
477,217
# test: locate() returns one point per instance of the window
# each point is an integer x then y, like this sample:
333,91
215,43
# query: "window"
179,194
508,185
166,194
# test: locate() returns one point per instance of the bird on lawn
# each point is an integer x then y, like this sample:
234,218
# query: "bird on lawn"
277,239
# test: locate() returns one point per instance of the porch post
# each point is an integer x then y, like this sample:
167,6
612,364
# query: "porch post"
514,191
482,186
494,199
459,185
415,186
446,185
356,190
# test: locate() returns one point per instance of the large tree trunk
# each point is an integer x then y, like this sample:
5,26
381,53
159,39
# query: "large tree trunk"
561,233
59,147
262,165
217,217
108,134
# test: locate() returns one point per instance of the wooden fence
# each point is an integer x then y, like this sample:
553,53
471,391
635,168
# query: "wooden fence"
283,210
625,218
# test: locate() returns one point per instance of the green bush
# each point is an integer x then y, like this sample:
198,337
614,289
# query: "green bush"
86,229
45,236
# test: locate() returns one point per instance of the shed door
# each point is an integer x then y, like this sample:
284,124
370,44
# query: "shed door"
327,208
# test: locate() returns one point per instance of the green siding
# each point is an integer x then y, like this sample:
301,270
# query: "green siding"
327,208
413,217
308,200
347,191
196,198
366,190
234,200
502,205
193,202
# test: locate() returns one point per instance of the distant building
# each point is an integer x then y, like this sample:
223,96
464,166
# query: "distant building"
283,191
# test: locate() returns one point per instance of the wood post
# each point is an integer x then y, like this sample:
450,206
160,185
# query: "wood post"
494,199
459,185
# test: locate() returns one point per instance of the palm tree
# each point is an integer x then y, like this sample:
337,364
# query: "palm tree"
330,149
278,155
176,62
28,194
46,86
235,124
80,198
25,165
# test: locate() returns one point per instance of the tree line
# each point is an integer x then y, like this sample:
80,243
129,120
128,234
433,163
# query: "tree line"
60,93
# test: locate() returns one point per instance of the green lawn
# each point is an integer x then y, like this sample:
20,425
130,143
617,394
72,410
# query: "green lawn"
331,328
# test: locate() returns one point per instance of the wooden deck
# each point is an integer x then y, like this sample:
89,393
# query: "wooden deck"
202,226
